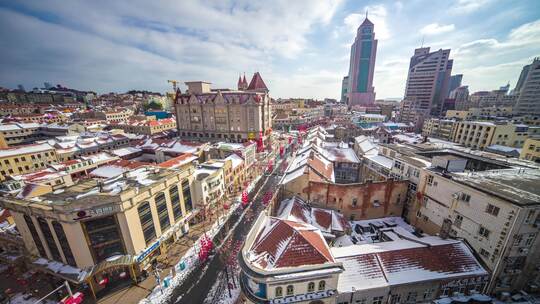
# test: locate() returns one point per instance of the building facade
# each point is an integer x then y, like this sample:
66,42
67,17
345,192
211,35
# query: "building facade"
427,84
528,102
235,116
113,230
439,128
26,159
481,134
531,149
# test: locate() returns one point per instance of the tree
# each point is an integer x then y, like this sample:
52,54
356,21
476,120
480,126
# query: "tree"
153,105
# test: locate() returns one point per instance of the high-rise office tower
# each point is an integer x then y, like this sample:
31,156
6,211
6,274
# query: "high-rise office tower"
427,84
455,82
528,102
521,79
362,65
345,90
461,97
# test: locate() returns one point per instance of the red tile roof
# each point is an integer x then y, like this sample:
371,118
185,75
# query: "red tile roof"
283,243
177,161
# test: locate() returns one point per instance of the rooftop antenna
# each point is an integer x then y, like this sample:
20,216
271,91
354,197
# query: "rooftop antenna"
422,41
366,12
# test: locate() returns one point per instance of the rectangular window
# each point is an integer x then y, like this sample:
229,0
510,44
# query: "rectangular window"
175,202
47,234
465,197
430,180
458,221
377,300
530,239
483,232
35,236
64,243
163,212
187,196
395,299
147,222
484,253
493,210
104,238
411,297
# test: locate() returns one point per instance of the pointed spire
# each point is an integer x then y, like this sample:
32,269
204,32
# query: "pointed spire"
239,81
244,81
257,84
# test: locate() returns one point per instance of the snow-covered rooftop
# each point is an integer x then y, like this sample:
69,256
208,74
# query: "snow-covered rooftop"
328,221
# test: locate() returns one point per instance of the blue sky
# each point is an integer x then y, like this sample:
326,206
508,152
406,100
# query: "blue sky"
300,47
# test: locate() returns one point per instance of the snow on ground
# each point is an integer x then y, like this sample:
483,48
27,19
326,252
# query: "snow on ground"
190,258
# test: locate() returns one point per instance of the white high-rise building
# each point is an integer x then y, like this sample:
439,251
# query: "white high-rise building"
528,102
427,84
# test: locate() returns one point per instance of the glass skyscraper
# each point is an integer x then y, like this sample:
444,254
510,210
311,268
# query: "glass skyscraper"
363,52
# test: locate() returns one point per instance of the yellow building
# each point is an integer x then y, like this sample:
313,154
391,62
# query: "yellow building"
481,134
462,115
26,159
439,128
98,231
531,149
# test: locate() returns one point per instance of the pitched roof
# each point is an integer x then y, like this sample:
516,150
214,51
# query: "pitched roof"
282,243
257,83
366,22
328,221
402,262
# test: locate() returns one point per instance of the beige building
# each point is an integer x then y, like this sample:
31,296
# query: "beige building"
99,231
146,127
224,115
531,149
439,128
492,206
110,116
481,134
20,133
26,159
208,187
458,114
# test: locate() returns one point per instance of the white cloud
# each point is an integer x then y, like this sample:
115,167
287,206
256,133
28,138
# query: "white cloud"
526,35
497,61
377,14
435,29
468,6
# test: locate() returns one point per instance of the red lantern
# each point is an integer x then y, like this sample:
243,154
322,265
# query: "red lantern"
226,206
245,198
290,140
270,166
104,281
280,151
75,299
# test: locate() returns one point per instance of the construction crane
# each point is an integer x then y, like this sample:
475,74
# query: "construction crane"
174,82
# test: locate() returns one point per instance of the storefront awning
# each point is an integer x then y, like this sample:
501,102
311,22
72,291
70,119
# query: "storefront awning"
61,270
119,261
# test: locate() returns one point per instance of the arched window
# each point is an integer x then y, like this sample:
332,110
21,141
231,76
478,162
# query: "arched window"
290,290
147,223
279,292
163,212
311,287
322,285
